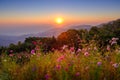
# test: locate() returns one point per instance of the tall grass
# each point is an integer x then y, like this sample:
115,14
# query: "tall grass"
61,66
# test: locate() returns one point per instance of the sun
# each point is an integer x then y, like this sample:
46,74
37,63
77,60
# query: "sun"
59,20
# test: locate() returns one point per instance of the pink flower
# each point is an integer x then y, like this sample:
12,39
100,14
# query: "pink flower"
11,51
47,76
77,74
38,54
115,65
66,69
11,55
79,50
34,42
95,48
58,67
114,40
99,63
111,62
40,43
37,48
86,54
19,57
108,47
69,64
72,49
89,48
33,51
60,58
64,47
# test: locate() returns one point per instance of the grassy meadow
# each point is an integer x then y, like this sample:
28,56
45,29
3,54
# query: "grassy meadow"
89,63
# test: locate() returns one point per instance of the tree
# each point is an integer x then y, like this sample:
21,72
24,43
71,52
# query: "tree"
70,38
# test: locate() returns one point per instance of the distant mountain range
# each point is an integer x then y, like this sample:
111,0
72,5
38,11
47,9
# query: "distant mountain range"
57,31
6,40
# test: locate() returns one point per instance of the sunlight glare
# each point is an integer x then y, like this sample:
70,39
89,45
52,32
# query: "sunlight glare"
59,20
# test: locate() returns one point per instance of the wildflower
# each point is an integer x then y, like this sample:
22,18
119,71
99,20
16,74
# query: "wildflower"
53,49
99,63
70,64
37,48
58,67
60,58
113,40
89,48
86,54
72,52
47,76
38,54
11,55
72,49
34,42
84,50
33,52
108,47
11,51
111,62
95,48
115,65
79,50
64,47
19,57
77,74
66,69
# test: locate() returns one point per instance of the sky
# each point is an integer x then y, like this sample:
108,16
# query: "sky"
32,16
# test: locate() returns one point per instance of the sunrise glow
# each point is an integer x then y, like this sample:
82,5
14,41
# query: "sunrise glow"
59,20
29,16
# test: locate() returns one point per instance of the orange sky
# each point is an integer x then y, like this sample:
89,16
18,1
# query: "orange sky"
51,19
15,14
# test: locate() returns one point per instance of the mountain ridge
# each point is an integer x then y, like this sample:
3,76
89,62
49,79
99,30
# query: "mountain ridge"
6,40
